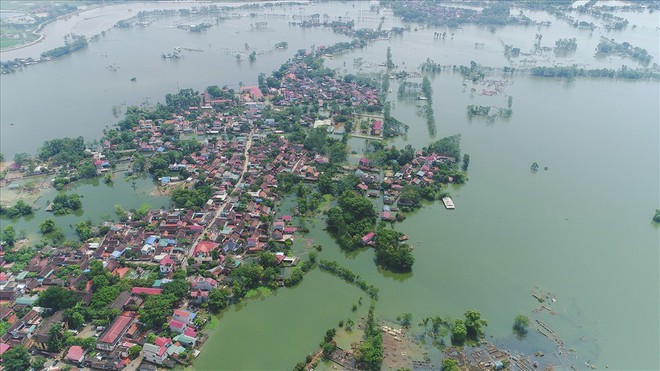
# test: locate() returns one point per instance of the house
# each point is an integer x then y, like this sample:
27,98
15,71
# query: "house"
199,297
364,163
145,291
121,301
42,335
75,354
186,340
367,238
112,335
177,326
203,250
154,353
204,284
184,316
376,127
166,265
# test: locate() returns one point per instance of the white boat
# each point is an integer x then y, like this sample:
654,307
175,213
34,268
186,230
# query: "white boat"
449,204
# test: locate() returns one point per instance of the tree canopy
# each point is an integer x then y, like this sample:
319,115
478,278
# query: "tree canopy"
16,359
156,310
390,254
352,218
57,298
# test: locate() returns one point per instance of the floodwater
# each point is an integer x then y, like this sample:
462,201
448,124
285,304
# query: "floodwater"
580,229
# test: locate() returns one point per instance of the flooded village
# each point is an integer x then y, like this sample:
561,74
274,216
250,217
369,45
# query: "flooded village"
257,185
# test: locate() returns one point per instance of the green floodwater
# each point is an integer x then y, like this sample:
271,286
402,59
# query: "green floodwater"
581,230
98,204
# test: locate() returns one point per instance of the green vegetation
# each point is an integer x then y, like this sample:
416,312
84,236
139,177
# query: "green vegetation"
484,111
450,146
520,324
449,364
218,299
348,276
390,254
370,351
474,73
16,359
431,66
565,46
405,319
318,141
47,226
353,217
192,198
624,49
19,209
428,93
328,344
389,63
134,351
63,151
64,204
656,217
156,310
571,72
392,126
57,298
71,44
466,162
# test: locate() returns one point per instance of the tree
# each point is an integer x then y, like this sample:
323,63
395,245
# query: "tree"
449,364
38,362
410,196
406,320
218,299
520,324
474,325
390,254
84,230
466,162
22,158
16,359
252,57
156,310
178,288
55,341
656,217
370,353
103,296
458,332
248,275
47,226
8,235
57,298
267,260
134,351
75,320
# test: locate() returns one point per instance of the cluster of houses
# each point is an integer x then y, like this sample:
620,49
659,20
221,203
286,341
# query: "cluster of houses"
236,221
421,171
299,86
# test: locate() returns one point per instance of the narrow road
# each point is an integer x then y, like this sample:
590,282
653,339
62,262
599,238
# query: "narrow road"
246,162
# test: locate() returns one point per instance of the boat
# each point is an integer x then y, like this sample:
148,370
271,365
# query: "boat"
449,203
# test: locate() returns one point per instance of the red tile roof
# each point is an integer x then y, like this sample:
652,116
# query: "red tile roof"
120,324
146,290
75,353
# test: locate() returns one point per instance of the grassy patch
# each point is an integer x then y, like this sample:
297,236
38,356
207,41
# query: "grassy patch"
212,323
